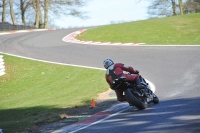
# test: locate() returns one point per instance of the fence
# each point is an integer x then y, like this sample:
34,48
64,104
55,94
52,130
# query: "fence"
5,26
2,67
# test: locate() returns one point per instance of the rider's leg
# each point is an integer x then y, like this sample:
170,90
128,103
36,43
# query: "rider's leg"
135,78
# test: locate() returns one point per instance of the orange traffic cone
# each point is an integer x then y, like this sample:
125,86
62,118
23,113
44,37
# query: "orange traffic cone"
92,104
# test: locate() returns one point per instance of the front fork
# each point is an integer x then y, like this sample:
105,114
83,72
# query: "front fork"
145,93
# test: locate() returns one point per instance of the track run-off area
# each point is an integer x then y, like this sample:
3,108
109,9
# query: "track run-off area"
175,72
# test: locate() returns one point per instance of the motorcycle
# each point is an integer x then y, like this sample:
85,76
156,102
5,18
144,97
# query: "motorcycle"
135,96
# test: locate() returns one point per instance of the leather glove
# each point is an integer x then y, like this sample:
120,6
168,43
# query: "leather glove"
136,72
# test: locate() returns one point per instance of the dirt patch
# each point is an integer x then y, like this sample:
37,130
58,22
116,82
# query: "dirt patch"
110,94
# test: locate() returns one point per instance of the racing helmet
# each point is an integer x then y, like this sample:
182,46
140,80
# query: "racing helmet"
107,63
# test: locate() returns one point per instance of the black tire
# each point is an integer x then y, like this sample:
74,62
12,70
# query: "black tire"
155,99
133,100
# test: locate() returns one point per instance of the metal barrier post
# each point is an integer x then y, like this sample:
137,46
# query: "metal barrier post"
2,67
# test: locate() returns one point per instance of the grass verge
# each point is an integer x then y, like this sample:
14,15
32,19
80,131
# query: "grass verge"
33,93
177,30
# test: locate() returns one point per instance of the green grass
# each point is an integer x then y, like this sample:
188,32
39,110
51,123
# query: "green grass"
34,92
184,29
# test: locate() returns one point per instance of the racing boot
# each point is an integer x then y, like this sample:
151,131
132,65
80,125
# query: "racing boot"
121,98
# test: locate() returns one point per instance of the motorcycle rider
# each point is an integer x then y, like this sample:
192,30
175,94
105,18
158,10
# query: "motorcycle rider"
115,71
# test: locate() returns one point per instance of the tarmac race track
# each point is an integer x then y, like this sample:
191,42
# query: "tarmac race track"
175,71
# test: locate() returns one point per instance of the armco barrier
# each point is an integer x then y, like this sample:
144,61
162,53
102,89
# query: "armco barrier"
5,26
2,67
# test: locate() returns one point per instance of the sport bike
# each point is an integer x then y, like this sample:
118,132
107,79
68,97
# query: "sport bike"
135,96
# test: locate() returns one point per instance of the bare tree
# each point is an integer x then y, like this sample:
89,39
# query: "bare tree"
166,7
173,7
12,13
36,6
4,3
67,7
192,6
162,8
46,11
197,7
181,6
24,4
56,8
37,19
41,10
62,7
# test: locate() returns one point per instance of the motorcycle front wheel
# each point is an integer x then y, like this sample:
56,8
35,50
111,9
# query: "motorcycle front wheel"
135,100
155,99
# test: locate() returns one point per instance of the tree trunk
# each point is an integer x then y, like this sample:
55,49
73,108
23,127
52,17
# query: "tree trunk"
46,6
22,12
23,18
40,21
181,6
12,12
37,20
4,11
174,7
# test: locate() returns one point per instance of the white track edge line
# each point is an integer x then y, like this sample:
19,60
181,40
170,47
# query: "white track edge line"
52,62
128,107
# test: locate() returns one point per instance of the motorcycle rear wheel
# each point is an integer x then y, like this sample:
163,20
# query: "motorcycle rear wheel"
134,100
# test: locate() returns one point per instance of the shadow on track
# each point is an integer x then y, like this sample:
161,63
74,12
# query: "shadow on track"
177,115
171,116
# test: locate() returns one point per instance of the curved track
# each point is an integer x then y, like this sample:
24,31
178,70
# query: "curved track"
175,71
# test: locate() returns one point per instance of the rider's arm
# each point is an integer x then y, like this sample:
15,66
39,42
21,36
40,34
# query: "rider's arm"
126,68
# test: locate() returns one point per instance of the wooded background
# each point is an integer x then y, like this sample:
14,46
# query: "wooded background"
37,13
